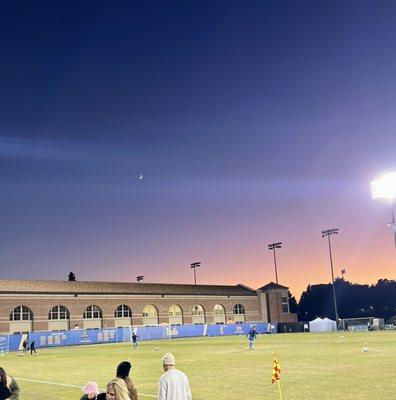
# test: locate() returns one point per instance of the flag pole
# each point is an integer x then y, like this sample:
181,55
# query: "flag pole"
280,391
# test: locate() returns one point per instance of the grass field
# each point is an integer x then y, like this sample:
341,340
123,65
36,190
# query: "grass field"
315,366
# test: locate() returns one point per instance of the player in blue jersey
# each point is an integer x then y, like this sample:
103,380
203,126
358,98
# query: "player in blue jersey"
252,336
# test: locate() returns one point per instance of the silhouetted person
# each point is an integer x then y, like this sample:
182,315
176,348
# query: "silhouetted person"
33,348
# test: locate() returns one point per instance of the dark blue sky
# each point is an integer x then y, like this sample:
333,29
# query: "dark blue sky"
250,121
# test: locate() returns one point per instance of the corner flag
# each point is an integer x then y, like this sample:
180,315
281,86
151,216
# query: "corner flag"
276,370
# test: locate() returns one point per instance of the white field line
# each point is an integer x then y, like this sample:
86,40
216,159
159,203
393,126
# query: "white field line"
72,386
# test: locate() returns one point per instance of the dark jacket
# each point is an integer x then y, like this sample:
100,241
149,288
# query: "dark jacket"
100,396
9,391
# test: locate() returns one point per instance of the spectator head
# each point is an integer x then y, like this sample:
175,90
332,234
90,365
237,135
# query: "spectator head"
91,389
117,390
168,361
123,369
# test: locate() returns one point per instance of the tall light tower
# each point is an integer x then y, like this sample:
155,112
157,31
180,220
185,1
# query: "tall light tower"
139,278
194,266
272,247
327,233
385,188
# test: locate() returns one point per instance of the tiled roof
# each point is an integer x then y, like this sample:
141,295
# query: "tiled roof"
81,287
272,285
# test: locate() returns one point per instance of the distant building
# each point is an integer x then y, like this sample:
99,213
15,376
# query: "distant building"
27,305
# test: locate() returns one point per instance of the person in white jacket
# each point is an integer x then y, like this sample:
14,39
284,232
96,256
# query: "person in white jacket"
173,384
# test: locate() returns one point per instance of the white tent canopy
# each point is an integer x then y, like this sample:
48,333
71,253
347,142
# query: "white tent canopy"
322,325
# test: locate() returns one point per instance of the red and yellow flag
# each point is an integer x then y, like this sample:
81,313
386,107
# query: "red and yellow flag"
276,369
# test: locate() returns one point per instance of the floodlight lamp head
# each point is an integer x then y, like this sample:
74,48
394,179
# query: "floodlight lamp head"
196,264
384,187
329,232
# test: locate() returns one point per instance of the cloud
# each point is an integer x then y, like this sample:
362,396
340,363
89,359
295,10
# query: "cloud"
38,149
58,150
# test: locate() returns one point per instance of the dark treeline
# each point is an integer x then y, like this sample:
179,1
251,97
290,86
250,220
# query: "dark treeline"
353,301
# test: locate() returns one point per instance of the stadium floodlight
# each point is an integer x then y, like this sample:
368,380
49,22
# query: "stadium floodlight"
327,233
273,246
139,278
194,266
385,188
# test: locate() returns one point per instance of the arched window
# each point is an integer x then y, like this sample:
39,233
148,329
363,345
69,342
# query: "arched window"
21,313
198,310
218,310
92,312
239,309
198,314
58,312
123,311
175,311
150,311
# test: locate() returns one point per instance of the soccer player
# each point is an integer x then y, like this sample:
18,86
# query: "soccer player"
33,348
24,346
251,336
134,339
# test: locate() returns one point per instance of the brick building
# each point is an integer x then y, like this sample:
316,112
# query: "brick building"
27,305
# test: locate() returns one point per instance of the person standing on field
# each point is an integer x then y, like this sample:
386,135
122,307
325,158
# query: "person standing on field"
173,384
134,340
33,348
252,336
24,345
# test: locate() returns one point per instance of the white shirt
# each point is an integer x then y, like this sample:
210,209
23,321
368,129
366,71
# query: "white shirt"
174,385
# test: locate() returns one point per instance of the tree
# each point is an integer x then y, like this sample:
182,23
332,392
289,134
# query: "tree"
293,307
71,277
353,300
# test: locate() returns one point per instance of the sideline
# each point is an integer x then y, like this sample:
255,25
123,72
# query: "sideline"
72,386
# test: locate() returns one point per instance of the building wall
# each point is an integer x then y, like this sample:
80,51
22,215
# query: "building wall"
274,305
42,304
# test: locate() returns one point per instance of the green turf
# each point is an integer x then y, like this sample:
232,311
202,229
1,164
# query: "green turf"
315,366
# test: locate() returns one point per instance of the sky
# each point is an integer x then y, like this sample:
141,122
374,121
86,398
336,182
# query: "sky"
251,122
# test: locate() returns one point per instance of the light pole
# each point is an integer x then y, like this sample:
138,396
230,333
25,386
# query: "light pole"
385,188
139,278
393,223
343,271
327,233
194,266
272,247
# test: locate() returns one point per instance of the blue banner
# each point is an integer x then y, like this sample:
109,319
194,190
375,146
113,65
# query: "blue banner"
3,344
114,335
